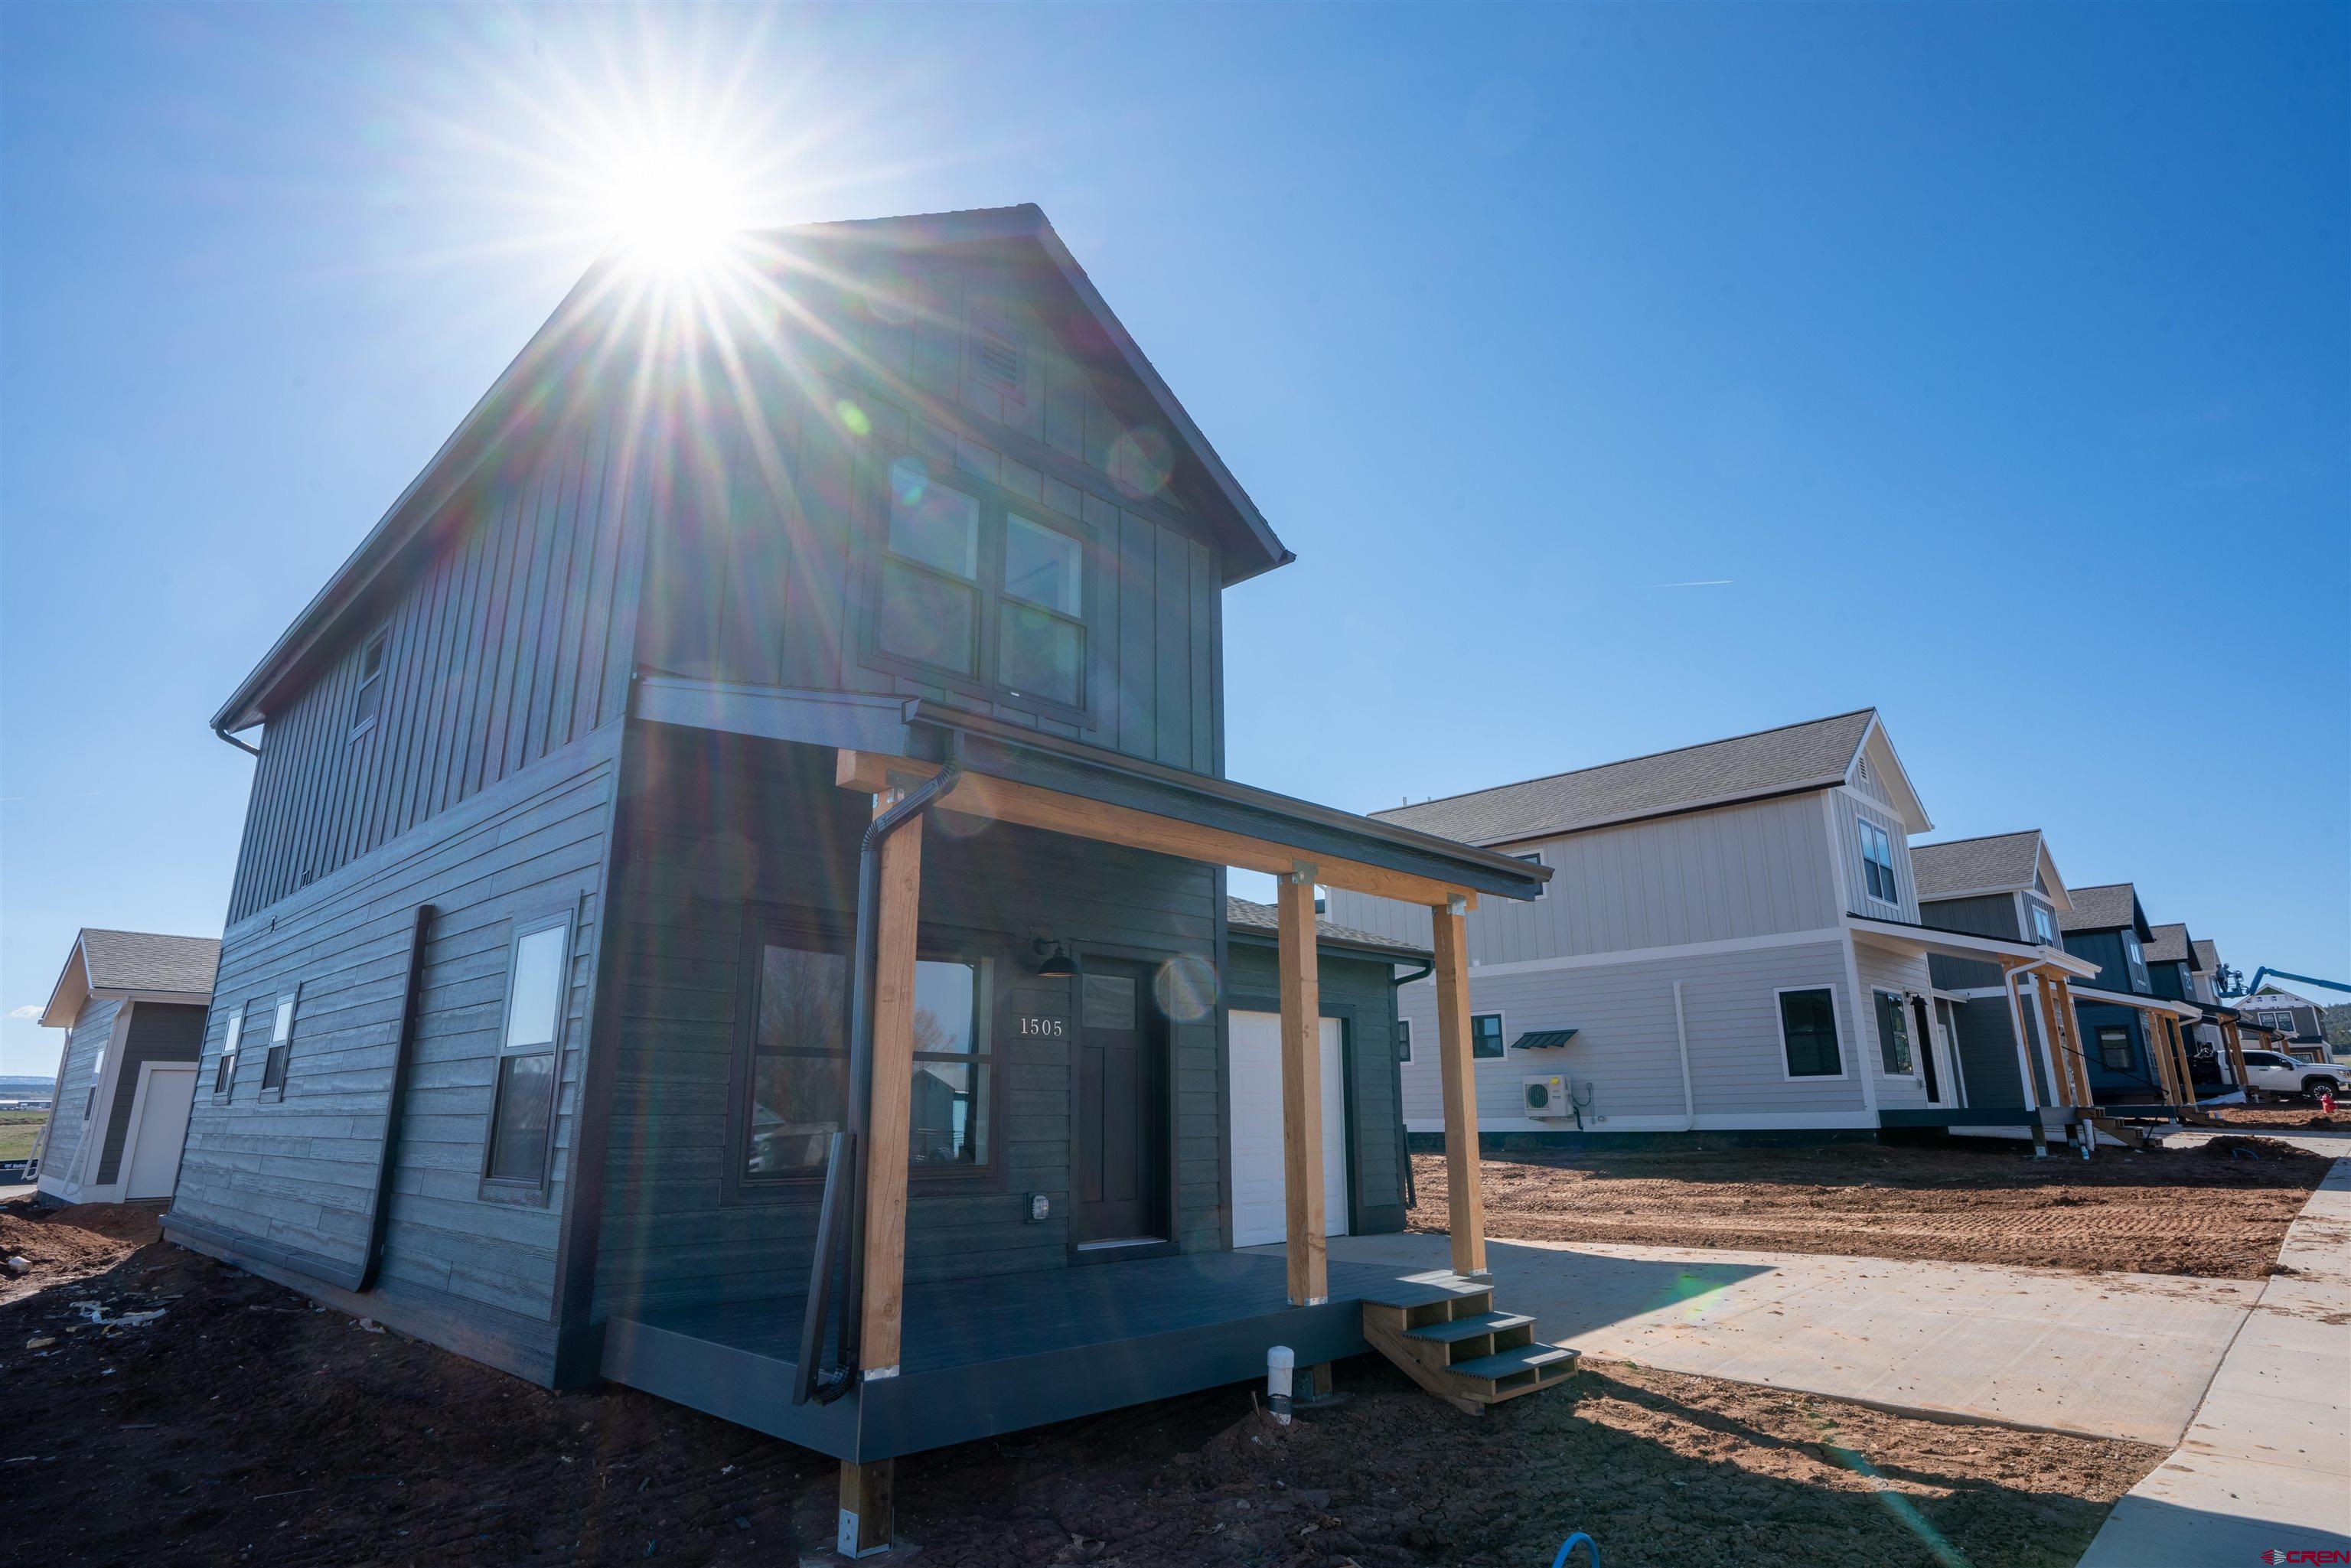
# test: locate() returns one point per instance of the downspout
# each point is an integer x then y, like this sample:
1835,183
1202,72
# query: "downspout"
1690,1091
863,961
1404,1140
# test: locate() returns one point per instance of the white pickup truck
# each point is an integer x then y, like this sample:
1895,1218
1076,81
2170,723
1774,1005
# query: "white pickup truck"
2275,1072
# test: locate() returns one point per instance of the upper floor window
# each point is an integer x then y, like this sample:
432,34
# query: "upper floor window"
367,700
1535,859
1877,863
981,590
2044,931
2136,957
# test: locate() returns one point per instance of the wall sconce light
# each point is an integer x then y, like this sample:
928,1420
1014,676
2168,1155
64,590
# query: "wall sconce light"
1056,965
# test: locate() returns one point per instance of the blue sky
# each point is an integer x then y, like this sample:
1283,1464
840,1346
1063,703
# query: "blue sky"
1985,365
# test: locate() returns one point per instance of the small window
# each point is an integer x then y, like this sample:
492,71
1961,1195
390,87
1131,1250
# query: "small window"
1877,863
2115,1053
281,1040
1404,1039
1808,1034
89,1106
522,1113
368,701
225,1071
1893,1031
1535,857
2043,932
1485,1034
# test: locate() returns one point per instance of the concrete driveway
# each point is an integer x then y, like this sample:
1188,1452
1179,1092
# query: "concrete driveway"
2110,1355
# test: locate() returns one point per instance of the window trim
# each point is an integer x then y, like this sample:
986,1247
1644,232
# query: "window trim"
379,643
1502,1032
525,927
763,924
1836,1030
1404,1039
279,1053
996,504
1864,826
223,1089
1901,1008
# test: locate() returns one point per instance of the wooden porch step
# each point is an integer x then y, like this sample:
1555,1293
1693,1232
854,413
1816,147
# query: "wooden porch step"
1442,1330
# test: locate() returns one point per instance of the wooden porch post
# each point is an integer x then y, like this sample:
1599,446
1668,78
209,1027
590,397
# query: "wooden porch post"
2064,994
2159,1053
2061,1075
867,1507
2186,1068
2236,1046
1304,1248
1464,1195
895,921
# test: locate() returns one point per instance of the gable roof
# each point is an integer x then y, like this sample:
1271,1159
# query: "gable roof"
2169,945
1815,755
586,321
1998,862
180,968
2208,956
1247,915
2108,908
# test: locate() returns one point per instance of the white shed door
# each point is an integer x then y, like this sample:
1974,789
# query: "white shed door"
1259,1190
154,1161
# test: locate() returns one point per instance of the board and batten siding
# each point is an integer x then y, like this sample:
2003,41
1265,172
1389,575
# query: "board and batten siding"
1985,915
692,883
1758,869
471,1272
508,638
1901,974
85,1044
1987,1050
763,576
158,1031
1357,991
1847,811
1626,1054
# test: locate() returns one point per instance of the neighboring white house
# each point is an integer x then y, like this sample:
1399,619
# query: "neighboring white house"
1730,941
133,1005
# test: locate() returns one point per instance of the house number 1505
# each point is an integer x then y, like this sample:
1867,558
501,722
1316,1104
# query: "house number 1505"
1040,1026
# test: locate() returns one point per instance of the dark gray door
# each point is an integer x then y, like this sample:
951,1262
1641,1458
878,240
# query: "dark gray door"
1121,1181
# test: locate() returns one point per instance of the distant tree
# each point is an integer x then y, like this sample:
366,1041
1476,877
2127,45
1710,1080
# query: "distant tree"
2337,1021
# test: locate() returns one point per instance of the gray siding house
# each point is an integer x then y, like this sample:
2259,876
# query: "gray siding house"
131,1004
732,899
1731,942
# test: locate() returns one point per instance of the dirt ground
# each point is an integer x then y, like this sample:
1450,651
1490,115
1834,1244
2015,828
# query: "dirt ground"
2289,1118
2219,1211
247,1426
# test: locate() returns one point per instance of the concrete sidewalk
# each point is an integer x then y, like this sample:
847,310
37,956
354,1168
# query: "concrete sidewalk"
2110,1355
2266,1466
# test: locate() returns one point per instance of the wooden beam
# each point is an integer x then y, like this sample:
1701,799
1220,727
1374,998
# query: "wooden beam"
2072,1017
2158,1052
1029,806
868,1507
896,919
1304,1245
2236,1045
1464,1195
2053,1038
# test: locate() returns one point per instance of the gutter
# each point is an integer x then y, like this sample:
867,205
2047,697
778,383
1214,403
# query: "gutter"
241,746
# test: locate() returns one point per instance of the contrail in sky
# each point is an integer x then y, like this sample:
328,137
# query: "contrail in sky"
1702,582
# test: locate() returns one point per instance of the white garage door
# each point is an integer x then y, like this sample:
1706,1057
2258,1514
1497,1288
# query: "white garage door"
1259,1190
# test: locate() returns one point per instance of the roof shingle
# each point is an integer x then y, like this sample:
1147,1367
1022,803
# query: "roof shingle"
1254,916
2170,944
2108,908
1998,862
1768,762
145,961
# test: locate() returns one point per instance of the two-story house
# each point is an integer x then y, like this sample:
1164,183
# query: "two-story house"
2297,1024
732,895
2132,1038
1732,943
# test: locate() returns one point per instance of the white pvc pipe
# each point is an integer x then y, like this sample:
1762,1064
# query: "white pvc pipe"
1281,1364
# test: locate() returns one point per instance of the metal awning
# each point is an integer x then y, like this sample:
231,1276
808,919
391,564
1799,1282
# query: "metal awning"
1542,1039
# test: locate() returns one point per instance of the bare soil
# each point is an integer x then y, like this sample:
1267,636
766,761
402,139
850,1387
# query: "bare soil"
2220,1212
2285,1118
248,1425
96,1237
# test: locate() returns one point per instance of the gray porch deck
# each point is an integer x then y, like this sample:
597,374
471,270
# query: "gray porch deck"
998,1354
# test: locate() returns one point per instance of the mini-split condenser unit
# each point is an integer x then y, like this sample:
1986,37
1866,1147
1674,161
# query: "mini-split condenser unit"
1547,1096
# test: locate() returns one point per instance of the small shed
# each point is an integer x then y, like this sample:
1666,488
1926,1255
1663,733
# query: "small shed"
133,1006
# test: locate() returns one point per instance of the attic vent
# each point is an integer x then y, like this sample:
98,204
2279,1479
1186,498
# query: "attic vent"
995,360
1865,769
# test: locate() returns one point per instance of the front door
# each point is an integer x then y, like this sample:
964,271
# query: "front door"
1120,1148
1929,1040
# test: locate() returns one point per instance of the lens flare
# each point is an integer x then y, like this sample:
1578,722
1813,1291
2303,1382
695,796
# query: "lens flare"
672,210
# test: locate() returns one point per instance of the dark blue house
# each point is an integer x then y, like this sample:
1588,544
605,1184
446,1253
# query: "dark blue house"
2130,1029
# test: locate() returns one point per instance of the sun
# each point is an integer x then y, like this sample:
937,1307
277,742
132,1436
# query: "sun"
671,209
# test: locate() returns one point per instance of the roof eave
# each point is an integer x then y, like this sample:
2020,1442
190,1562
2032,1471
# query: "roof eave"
1714,802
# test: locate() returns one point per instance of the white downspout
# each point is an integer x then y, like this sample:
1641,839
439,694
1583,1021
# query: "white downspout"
1689,1092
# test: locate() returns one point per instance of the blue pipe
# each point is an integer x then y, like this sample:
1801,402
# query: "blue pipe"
1569,1545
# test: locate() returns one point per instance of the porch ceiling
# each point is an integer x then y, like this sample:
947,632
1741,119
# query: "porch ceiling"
1967,944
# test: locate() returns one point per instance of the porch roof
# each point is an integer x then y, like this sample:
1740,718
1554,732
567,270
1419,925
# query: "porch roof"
2189,1011
1970,944
1023,776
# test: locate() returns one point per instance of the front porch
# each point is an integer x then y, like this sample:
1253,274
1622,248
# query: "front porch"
986,1356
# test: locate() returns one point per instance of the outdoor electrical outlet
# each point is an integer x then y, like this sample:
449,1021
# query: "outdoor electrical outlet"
1039,1206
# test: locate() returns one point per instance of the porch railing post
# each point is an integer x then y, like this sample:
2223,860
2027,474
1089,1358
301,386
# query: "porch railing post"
897,918
1304,1248
1464,1189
